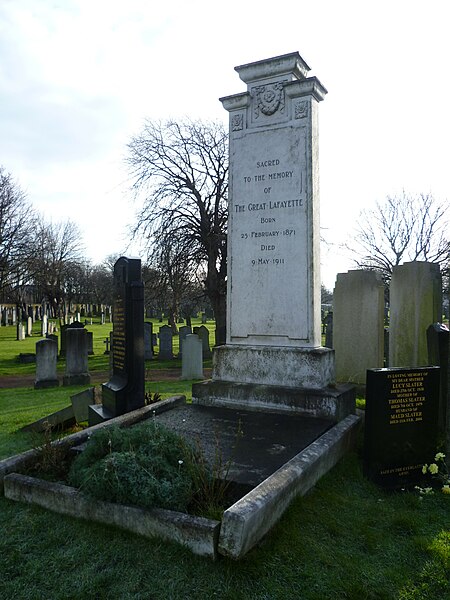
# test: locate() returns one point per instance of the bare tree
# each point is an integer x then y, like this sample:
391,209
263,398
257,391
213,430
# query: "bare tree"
181,171
17,223
402,229
58,247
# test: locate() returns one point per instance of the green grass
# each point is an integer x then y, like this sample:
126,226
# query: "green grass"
346,539
10,348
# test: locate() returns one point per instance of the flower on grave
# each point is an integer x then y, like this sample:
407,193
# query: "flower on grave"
180,462
433,468
424,469
439,456
446,489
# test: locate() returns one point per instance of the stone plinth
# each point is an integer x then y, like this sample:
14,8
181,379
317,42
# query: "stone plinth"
268,365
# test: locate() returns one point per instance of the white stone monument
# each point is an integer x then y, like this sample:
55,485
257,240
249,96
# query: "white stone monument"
273,295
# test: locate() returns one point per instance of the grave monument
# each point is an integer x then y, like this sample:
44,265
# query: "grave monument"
273,356
124,392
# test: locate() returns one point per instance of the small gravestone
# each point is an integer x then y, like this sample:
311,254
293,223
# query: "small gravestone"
90,342
124,392
54,338
329,329
80,404
46,359
44,325
148,350
203,334
20,331
29,327
165,343
192,360
401,424
182,333
204,319
106,341
77,372
103,318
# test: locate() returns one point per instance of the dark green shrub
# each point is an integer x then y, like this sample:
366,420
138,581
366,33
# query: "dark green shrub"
144,465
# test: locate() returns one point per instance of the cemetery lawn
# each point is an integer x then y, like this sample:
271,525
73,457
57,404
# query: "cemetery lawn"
345,539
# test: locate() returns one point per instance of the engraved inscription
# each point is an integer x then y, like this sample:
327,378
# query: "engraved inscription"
119,336
406,397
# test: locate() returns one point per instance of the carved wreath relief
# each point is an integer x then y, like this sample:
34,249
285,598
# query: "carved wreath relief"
268,99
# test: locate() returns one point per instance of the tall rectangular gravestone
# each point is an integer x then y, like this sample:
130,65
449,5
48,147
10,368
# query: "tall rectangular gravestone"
124,392
273,294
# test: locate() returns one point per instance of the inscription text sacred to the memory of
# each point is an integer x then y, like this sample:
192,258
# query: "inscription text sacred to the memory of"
270,228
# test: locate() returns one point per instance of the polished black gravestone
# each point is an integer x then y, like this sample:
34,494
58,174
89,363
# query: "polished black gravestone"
124,392
401,424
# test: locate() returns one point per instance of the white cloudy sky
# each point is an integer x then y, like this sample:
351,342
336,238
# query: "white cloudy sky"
78,77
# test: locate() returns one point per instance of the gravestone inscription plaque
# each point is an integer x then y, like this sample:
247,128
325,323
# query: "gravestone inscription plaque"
401,424
124,392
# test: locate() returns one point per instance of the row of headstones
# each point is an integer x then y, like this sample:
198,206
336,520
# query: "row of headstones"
76,349
166,340
77,341
415,295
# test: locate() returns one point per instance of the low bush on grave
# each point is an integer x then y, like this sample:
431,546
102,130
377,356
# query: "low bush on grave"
146,465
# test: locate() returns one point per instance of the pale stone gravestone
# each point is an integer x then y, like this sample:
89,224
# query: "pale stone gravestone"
192,360
77,369
20,331
203,334
29,327
46,360
401,424
14,316
103,318
44,325
182,333
124,392
273,347
148,350
165,343
415,303
358,324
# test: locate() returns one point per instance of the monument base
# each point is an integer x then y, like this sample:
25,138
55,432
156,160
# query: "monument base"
310,368
46,383
97,413
333,403
78,379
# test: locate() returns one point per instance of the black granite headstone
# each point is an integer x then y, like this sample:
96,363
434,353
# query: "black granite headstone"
401,424
124,392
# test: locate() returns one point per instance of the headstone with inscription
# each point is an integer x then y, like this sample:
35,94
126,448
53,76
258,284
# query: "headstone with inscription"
192,360
273,278
401,424
124,392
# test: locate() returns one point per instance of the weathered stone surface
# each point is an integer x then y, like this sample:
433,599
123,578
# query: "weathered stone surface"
289,367
358,324
249,519
192,358
198,534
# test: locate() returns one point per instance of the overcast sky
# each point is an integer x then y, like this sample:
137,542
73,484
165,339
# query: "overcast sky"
78,78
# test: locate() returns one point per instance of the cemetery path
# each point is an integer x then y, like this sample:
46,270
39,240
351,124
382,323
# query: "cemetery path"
97,377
